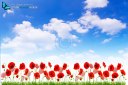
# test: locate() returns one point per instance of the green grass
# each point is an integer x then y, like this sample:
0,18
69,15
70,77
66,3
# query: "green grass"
63,83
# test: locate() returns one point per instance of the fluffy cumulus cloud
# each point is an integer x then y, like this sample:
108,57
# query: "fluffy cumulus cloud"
111,26
90,20
29,39
96,3
64,29
106,25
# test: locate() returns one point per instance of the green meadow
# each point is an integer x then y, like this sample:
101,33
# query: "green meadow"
63,83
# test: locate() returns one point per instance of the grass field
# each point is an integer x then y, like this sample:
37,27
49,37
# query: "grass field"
63,83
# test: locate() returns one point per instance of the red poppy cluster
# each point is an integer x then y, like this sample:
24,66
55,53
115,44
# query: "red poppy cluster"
58,72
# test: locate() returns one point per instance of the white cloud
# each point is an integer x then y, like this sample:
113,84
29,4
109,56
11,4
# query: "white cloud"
96,3
64,29
106,40
77,27
6,58
29,39
110,26
121,51
6,39
106,25
8,12
4,15
90,20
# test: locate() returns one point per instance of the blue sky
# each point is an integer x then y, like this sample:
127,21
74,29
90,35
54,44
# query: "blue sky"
65,31
105,31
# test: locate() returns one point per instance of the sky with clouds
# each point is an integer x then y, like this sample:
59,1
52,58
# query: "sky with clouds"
65,31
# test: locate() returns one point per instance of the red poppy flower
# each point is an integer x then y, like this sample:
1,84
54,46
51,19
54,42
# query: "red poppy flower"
61,69
123,72
26,71
17,76
11,65
22,66
91,75
102,77
115,75
96,66
47,77
104,64
36,75
95,71
86,65
119,66
111,68
91,66
71,76
32,65
42,65
100,73
51,74
56,67
3,75
36,66
106,74
64,66
16,71
80,71
8,72
76,66
41,71
60,75
45,73
49,64
68,72
3,66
